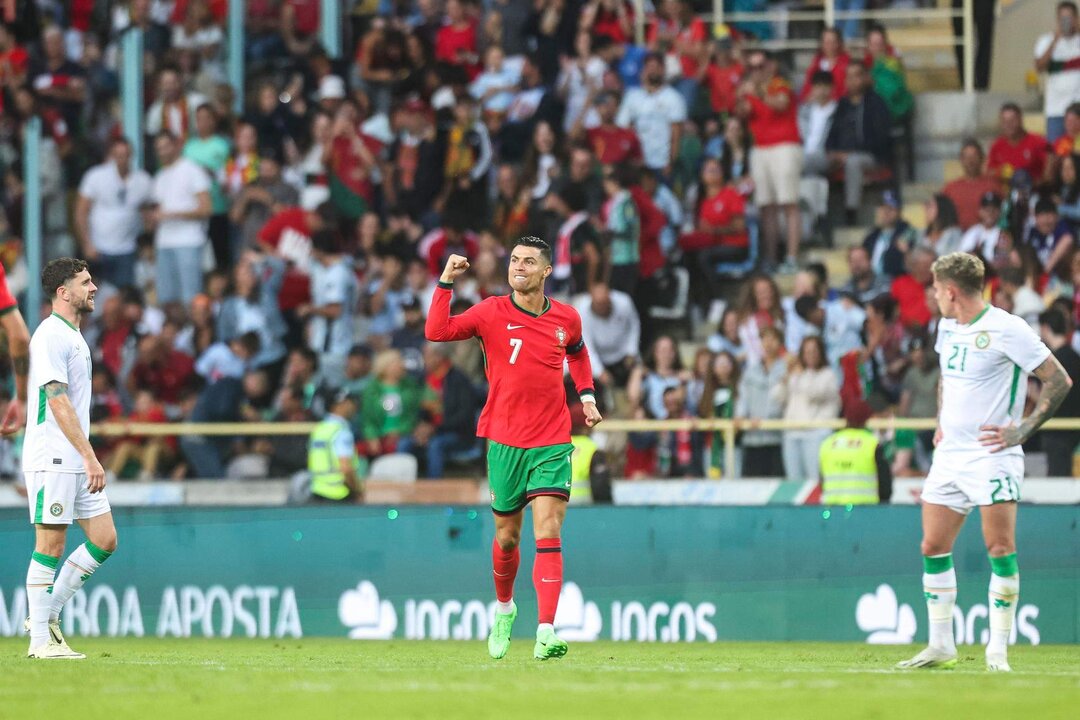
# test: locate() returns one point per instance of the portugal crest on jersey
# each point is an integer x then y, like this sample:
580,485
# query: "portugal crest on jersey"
560,336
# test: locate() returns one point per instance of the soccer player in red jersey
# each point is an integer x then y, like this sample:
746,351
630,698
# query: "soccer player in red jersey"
12,323
526,337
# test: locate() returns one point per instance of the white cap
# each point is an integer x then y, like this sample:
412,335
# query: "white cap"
313,196
331,87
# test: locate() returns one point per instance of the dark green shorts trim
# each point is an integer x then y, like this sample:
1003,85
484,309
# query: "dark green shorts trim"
517,475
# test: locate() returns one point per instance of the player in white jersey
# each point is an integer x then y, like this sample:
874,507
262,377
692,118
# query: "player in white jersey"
64,480
986,355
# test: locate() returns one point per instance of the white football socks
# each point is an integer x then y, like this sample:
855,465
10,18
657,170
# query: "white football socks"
79,566
1003,597
39,587
939,589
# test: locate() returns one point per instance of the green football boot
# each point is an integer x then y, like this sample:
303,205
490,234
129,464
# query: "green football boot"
548,645
499,638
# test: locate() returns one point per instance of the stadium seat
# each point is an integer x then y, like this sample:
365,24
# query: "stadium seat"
740,268
677,311
395,467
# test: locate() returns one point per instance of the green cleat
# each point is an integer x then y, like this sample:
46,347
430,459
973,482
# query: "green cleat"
499,638
548,645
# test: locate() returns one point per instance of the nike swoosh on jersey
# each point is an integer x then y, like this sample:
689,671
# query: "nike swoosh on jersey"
513,327
549,581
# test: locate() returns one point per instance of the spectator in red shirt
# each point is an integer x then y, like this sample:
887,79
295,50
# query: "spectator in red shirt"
723,75
609,18
612,145
768,104
300,25
678,32
14,61
351,160
1016,149
719,229
146,452
455,42
287,235
452,237
163,370
59,82
967,191
1067,144
909,289
832,58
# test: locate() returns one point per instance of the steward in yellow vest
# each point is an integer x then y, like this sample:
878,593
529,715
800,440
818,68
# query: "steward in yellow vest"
336,470
854,470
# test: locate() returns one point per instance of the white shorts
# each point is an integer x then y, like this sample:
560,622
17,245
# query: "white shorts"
60,498
776,171
960,481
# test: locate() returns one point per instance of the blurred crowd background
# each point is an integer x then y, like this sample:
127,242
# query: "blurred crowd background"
256,264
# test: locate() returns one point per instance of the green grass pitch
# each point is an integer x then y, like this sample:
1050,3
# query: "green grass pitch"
154,679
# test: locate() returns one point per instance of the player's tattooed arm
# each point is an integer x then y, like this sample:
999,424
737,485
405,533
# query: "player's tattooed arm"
68,421
55,389
1055,386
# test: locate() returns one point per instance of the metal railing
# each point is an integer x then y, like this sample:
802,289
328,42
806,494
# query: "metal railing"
829,15
726,427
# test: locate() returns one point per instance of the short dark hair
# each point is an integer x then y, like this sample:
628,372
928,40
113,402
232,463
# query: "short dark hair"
1067,5
1073,109
532,241
805,305
309,355
821,77
325,241
57,272
1045,205
1012,107
1055,321
972,143
249,341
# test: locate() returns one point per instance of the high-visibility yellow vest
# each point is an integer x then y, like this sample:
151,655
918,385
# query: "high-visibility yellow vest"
580,462
327,480
849,468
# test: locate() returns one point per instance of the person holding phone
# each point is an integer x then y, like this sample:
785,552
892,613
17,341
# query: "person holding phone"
1058,55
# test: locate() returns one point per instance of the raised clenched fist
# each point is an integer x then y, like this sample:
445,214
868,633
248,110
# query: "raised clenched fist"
456,265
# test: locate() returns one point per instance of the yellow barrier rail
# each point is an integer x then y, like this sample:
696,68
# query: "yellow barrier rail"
726,427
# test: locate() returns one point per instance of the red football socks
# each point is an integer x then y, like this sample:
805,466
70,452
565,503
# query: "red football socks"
504,569
547,577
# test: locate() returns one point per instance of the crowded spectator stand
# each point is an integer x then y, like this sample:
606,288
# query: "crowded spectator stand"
276,248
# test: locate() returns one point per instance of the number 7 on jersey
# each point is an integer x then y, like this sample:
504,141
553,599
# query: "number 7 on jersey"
516,344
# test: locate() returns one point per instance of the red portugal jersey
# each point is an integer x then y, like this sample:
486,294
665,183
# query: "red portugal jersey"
523,358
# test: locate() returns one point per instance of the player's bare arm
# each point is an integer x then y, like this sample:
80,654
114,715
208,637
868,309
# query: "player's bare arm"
19,343
56,394
456,265
1055,386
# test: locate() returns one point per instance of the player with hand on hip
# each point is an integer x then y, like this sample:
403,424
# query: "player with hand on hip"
526,337
64,480
985,355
